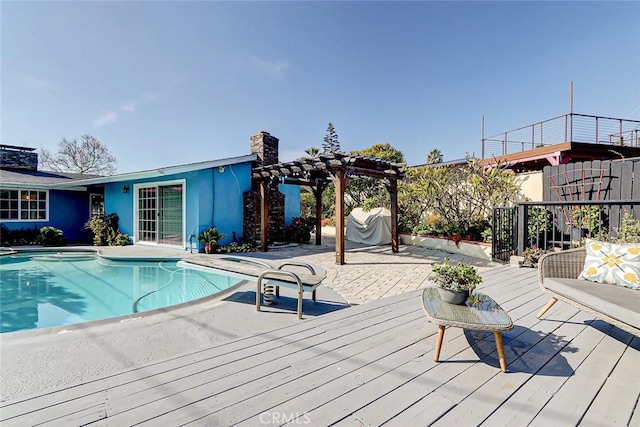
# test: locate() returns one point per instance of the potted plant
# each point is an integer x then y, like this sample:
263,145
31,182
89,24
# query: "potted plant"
532,255
455,282
587,221
210,237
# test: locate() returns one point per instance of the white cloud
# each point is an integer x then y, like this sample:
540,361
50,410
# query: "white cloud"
272,68
105,119
40,84
129,107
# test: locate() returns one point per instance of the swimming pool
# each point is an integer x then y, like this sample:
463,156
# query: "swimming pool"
46,289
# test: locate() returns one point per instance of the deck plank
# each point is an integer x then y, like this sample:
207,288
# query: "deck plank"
221,354
179,368
619,396
255,398
455,380
343,404
532,364
456,347
372,365
570,403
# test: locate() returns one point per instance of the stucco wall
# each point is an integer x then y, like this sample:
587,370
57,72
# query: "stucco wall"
531,185
213,197
228,188
291,201
68,211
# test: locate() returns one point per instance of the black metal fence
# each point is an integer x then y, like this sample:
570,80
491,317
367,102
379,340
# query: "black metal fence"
562,225
503,241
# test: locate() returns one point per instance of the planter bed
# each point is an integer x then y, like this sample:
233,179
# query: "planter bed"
466,247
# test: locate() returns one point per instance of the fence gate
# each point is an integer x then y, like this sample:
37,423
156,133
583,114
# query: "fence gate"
503,238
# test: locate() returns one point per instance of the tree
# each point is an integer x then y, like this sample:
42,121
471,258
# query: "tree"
463,197
434,157
331,143
370,192
382,151
87,157
312,151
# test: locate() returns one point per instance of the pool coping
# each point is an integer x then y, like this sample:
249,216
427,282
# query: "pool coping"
62,329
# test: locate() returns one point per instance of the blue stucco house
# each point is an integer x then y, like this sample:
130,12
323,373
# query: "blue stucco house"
166,207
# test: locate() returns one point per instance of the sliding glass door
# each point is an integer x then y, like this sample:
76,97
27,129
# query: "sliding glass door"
160,213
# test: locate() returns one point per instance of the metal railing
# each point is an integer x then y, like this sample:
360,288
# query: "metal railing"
570,127
566,224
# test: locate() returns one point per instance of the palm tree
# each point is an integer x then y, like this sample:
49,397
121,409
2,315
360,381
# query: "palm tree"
312,151
434,157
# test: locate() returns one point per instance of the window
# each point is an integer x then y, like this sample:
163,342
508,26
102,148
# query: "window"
96,205
24,205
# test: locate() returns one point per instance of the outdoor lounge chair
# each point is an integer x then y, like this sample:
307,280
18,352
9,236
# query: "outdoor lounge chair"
558,276
290,274
301,282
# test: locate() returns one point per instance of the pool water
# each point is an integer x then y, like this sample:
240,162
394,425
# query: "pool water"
41,290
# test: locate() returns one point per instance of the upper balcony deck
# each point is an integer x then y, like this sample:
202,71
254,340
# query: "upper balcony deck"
564,133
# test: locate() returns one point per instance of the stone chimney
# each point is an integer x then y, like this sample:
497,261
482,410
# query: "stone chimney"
266,147
15,157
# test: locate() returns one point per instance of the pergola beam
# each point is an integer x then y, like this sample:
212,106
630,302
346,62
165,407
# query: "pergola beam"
316,173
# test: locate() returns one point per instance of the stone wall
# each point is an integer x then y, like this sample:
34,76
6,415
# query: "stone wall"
266,147
18,159
251,221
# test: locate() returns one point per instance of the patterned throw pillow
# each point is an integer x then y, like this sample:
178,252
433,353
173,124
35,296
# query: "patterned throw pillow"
617,264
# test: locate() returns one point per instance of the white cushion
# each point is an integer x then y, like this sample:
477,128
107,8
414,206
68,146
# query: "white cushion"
617,264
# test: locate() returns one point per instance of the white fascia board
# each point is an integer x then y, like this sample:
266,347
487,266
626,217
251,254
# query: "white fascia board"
154,173
24,185
28,186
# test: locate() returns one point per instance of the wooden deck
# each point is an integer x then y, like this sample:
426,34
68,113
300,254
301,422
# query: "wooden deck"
373,365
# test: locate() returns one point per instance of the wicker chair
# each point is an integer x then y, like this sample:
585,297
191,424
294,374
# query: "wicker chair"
558,276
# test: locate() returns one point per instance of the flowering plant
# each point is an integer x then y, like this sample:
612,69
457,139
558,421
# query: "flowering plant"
299,231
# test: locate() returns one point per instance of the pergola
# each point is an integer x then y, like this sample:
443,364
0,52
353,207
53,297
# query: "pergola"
316,173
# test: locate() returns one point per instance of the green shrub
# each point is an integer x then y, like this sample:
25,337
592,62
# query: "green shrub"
235,247
629,231
105,231
299,231
532,255
19,237
50,236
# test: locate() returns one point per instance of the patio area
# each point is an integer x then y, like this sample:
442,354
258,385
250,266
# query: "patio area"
372,364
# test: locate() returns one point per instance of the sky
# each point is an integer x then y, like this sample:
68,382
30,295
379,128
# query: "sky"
170,83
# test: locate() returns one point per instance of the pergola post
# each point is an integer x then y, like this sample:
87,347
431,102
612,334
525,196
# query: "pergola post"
393,192
317,192
264,215
316,173
340,185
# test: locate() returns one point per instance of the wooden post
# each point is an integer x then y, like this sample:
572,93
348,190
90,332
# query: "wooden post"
318,193
264,216
393,190
339,184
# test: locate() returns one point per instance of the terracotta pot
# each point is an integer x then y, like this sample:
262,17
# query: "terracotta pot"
209,249
453,297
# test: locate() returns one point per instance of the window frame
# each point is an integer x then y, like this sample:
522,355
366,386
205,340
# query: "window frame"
20,201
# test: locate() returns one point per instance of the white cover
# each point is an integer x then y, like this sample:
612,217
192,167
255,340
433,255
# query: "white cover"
370,228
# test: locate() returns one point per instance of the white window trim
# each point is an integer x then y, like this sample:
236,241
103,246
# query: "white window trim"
19,190
91,204
156,184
